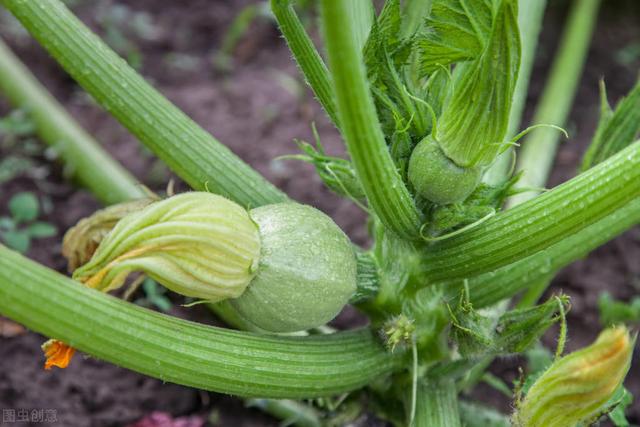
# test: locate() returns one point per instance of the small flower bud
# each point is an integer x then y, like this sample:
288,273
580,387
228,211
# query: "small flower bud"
307,270
197,244
575,387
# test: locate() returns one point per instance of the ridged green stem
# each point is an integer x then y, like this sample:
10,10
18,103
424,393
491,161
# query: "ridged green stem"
554,108
537,225
489,288
361,13
184,352
530,17
184,146
306,55
85,158
382,184
437,405
538,149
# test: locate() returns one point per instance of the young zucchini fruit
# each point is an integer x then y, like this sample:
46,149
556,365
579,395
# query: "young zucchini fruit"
282,268
437,178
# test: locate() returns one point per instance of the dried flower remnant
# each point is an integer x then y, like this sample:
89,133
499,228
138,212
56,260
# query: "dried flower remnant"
58,354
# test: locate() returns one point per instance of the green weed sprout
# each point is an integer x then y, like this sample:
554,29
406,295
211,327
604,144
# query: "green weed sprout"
20,228
426,95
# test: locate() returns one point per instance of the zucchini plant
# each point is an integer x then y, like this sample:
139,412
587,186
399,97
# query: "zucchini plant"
427,97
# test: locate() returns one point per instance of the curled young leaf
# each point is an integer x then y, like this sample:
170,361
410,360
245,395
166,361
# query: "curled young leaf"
474,121
457,30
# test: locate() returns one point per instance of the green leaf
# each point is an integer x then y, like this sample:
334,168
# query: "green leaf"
474,122
40,230
24,207
457,30
385,54
17,239
7,223
17,124
12,166
616,129
612,311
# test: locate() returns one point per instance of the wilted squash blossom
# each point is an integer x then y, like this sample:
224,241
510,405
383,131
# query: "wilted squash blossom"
82,240
575,387
58,354
197,244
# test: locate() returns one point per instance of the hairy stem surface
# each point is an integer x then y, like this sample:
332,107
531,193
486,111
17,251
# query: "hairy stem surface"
382,184
306,55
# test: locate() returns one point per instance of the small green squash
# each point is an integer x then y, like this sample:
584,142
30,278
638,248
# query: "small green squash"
306,273
437,178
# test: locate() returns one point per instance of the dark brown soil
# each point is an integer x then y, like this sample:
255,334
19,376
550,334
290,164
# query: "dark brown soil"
257,110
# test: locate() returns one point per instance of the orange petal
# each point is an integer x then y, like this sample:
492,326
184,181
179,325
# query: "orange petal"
57,353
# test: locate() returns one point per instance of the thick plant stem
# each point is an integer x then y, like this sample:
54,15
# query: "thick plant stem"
437,405
184,352
361,13
530,17
537,162
538,150
489,288
85,158
382,184
306,55
184,146
537,225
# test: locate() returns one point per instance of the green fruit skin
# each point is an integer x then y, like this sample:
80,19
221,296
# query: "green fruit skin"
437,178
306,274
